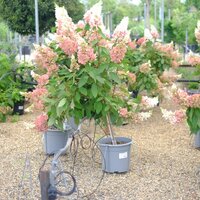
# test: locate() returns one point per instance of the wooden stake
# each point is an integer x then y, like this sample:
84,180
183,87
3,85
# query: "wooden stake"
110,130
44,183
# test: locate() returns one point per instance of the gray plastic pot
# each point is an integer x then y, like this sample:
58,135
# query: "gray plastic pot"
197,140
115,158
54,140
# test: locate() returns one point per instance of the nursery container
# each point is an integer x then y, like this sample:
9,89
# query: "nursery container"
115,158
54,140
18,108
197,140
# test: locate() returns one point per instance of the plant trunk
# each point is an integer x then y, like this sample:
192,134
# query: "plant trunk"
110,130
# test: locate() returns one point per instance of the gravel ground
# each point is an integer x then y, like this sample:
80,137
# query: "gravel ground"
164,165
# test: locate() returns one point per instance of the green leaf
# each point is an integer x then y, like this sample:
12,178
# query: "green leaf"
102,67
101,80
51,121
83,91
83,81
106,108
62,102
77,97
59,111
92,75
94,90
115,77
87,27
72,104
98,107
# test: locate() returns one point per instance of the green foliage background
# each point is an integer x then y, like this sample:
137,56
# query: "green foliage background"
20,14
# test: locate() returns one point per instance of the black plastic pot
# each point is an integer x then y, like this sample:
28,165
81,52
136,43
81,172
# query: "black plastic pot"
134,94
18,108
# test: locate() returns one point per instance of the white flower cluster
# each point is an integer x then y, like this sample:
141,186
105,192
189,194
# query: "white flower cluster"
61,13
144,115
168,115
149,102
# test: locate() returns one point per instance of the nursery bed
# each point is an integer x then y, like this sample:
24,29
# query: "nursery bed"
164,165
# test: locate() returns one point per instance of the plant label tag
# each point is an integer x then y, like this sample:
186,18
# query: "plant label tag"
123,155
20,107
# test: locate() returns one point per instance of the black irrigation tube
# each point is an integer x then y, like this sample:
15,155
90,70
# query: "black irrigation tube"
188,81
187,66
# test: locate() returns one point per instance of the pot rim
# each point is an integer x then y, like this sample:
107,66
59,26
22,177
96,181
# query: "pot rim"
116,145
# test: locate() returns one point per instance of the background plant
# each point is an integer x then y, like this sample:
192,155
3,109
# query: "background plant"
12,76
190,103
19,15
151,62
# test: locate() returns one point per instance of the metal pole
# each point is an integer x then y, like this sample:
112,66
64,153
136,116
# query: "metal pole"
186,41
36,22
20,47
155,13
145,15
169,14
111,25
162,20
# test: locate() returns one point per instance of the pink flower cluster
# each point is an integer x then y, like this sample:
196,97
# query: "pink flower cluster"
169,51
194,101
92,20
193,59
123,112
41,123
145,68
63,28
80,24
45,58
131,77
117,53
42,80
65,34
169,77
68,45
174,117
36,97
85,54
121,36
182,98
95,36
180,115
141,41
132,44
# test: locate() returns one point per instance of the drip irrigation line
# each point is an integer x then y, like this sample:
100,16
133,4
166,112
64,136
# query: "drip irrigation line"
78,141
188,81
